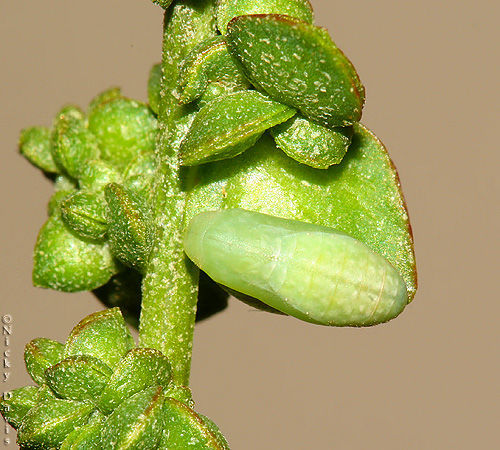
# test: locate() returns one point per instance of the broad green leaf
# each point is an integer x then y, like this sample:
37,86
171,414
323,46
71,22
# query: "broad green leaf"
136,423
35,145
299,65
141,368
84,438
128,227
14,405
102,335
361,196
308,271
228,9
185,429
209,62
312,144
85,214
39,355
73,145
229,125
78,377
123,129
48,423
66,263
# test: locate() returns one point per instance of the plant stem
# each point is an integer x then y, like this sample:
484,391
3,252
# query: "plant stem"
169,291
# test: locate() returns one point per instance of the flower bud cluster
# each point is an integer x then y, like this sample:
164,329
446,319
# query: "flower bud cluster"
99,391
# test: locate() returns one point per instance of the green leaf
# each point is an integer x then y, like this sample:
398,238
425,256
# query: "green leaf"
54,205
209,62
39,355
361,196
123,128
97,174
308,271
14,405
184,429
229,125
103,335
103,97
66,263
84,438
228,9
154,82
163,3
79,377
312,144
141,368
137,423
181,393
35,145
85,214
299,65
73,145
128,227
47,424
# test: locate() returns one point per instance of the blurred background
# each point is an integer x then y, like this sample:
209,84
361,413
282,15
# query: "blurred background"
426,380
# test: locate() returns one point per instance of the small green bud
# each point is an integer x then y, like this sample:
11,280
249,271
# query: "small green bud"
181,393
228,9
230,125
139,369
312,144
185,429
66,263
84,438
128,227
331,94
85,214
103,97
14,405
123,128
54,205
79,377
97,174
209,62
136,423
39,355
73,144
163,3
154,86
103,335
144,164
47,424
63,183
35,146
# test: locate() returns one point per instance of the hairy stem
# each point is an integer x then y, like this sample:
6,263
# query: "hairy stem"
169,291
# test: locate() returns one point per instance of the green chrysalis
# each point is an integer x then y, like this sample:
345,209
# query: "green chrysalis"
308,271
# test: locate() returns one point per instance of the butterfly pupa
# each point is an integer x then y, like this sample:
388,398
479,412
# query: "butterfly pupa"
307,271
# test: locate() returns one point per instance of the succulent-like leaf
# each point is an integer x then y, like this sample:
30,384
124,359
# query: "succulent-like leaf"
299,65
103,335
39,355
228,9
141,368
185,429
79,377
128,227
209,62
154,82
35,145
14,405
97,174
229,125
361,196
137,423
103,97
48,423
73,145
312,144
311,272
84,438
123,128
66,263
85,214
181,393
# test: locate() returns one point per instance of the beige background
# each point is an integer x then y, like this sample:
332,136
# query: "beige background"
427,380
